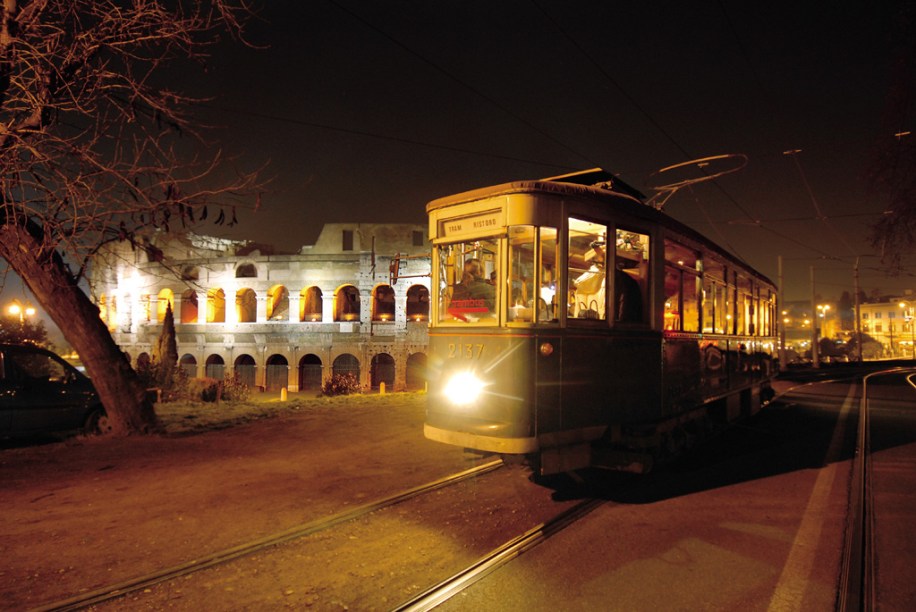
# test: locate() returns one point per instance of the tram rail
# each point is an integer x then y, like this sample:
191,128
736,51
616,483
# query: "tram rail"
120,589
858,577
441,592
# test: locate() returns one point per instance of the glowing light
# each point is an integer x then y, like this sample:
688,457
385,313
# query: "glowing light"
464,388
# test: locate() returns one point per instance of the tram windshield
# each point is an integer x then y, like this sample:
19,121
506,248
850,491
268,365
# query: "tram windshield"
468,291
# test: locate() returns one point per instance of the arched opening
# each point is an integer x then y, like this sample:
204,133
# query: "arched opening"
383,303
310,304
346,304
216,306
416,371
215,367
310,373
246,270
246,306
189,306
278,303
346,364
246,370
277,373
190,273
382,371
166,300
188,365
418,303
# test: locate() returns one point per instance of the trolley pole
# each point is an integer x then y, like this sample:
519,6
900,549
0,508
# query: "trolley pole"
815,358
858,327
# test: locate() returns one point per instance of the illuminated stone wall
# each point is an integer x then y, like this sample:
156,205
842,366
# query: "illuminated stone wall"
240,307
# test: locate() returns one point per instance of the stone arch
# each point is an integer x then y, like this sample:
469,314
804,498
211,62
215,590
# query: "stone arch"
278,303
416,371
346,304
216,306
276,373
246,306
383,303
188,365
189,306
311,304
344,364
246,270
215,367
165,299
381,370
246,370
190,273
310,372
417,303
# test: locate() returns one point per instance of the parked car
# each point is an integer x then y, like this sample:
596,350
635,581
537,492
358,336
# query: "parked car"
41,393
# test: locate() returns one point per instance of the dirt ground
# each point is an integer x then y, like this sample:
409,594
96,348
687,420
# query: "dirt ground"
85,513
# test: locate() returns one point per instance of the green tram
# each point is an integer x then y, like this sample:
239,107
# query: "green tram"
572,325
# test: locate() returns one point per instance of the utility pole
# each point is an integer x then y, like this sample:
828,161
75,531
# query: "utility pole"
780,320
815,360
858,316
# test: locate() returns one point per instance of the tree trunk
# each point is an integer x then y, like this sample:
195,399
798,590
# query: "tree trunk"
47,276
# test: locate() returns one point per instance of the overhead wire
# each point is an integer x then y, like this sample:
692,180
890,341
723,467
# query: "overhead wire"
438,68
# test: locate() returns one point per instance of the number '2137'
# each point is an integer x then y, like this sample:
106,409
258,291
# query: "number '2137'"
464,351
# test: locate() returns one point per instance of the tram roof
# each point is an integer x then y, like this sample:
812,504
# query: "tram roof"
598,185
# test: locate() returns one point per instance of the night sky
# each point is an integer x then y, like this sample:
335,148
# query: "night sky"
366,110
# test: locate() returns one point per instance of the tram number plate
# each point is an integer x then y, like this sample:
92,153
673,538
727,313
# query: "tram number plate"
464,351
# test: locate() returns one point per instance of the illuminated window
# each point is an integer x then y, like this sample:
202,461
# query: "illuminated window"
347,304
189,306
383,303
417,303
310,304
278,303
216,306
165,302
246,306
587,270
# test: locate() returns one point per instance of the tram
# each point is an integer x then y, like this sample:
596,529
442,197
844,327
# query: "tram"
573,325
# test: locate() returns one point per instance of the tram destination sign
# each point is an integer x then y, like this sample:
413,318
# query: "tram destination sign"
485,223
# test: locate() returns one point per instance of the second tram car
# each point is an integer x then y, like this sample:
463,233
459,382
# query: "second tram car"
573,325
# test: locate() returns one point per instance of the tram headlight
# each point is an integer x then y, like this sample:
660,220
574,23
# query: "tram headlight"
463,388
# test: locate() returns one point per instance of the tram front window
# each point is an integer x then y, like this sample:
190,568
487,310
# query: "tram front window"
468,291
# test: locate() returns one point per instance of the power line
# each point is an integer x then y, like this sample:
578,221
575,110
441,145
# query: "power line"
461,82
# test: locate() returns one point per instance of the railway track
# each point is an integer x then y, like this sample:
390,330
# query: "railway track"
858,572
120,589
441,592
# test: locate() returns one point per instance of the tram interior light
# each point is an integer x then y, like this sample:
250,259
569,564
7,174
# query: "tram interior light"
463,388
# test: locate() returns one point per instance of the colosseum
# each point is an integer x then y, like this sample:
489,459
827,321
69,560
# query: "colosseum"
357,301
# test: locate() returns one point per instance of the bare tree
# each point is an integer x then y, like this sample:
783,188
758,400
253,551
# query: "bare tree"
94,148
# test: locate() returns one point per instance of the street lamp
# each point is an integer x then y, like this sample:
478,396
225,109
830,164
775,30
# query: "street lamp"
18,309
909,314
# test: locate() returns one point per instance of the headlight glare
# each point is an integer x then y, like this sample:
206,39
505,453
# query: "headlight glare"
463,388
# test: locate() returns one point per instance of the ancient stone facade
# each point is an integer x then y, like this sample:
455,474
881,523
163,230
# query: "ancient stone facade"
277,320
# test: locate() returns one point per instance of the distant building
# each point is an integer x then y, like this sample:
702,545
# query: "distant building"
889,321
277,320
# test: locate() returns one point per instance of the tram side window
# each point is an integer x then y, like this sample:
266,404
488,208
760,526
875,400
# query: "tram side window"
548,309
682,296
532,288
468,291
631,276
586,272
745,307
714,299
